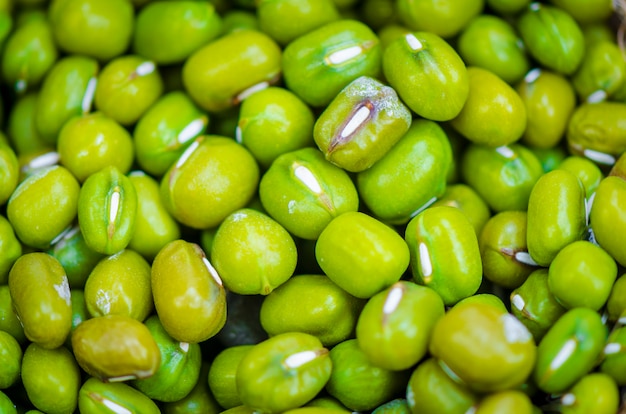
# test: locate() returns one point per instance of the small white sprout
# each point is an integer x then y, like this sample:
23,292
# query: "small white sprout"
356,121
251,90
393,300
424,207
238,135
505,151
564,354
597,96
568,399
145,68
426,265
300,358
413,42
524,257
88,97
45,160
114,206
599,157
115,407
185,156
191,131
344,55
212,271
518,302
612,348
123,378
514,330
305,175
532,75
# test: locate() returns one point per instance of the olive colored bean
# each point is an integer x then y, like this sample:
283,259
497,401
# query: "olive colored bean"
361,255
503,249
425,144
165,130
534,304
569,350
549,99
283,372
218,76
351,369
107,206
287,20
127,87
304,192
361,124
494,114
504,176
395,326
43,205
115,348
266,257
539,25
67,90
120,285
491,43
203,176
556,215
312,304
41,298
333,56
189,297
75,32
431,391
57,391
607,221
96,397
581,275
428,74
272,122
91,142
432,236
168,32
483,348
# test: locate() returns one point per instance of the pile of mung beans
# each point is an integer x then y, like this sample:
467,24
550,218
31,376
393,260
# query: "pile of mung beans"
312,206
